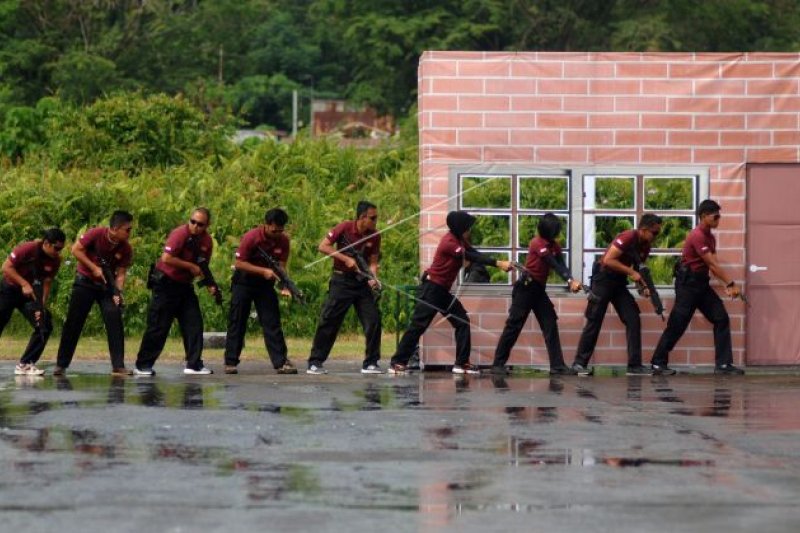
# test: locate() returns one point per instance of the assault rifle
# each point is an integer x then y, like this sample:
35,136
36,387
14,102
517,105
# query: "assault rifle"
286,282
647,283
111,281
520,268
363,267
208,279
38,307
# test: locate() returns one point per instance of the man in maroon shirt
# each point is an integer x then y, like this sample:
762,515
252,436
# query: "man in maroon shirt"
350,286
529,294
693,291
102,253
434,296
610,285
28,270
254,282
174,296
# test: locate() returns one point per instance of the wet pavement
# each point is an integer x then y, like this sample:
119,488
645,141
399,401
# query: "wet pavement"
426,452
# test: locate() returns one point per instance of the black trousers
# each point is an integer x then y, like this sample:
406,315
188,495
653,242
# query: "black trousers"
172,300
529,295
84,295
611,288
692,294
269,315
11,298
433,299
343,291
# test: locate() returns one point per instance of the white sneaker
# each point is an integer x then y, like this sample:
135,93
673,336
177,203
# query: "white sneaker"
143,371
34,371
318,370
202,372
21,370
466,368
372,369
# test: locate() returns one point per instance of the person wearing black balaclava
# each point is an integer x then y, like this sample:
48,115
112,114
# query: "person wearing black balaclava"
433,295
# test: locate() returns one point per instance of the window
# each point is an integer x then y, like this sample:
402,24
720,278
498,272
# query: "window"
594,204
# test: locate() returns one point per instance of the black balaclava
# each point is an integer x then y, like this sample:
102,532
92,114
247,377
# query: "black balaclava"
459,222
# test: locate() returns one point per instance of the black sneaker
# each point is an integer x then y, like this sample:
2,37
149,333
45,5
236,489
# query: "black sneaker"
563,371
729,370
663,370
638,371
581,370
499,371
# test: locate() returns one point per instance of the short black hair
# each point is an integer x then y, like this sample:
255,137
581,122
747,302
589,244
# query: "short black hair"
708,206
119,218
364,206
54,235
276,216
649,220
549,226
205,211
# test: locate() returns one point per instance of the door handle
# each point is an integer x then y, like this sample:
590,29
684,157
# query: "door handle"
756,268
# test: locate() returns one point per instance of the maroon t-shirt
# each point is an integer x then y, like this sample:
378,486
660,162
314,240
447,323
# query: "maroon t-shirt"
699,242
254,239
447,261
535,263
185,246
628,242
348,230
31,262
98,247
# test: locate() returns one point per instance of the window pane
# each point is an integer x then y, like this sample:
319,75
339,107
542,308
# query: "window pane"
543,193
610,192
495,275
673,232
661,267
599,230
526,230
487,193
552,278
675,193
491,231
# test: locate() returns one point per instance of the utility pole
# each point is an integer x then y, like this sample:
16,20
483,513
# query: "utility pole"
294,113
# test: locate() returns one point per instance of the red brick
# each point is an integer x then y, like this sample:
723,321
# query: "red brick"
772,87
773,155
437,187
440,103
667,87
456,86
437,68
482,137
786,137
720,87
717,57
455,153
730,240
424,120
440,136
787,70
667,155
510,86
507,153
483,103
693,105
693,138
588,138
589,103
536,103
592,70
535,137
745,105
536,69
483,68
561,120
613,155
747,70
782,104
448,55
745,138
614,120
613,87
562,87
431,171
667,122
512,120
718,155
640,103
693,71
456,120
772,121
561,155
639,138
642,70
487,304
609,356
719,122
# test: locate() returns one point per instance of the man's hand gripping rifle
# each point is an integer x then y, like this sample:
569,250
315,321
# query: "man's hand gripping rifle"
111,281
363,267
285,281
208,279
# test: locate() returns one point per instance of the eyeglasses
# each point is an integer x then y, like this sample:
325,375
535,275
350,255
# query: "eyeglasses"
716,217
197,223
373,218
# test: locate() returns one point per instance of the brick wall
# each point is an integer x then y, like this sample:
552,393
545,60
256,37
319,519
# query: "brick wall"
720,111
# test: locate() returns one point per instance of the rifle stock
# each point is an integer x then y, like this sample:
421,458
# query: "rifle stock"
208,279
283,276
38,307
111,282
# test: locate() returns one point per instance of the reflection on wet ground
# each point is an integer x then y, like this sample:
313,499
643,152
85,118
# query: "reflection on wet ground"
432,451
